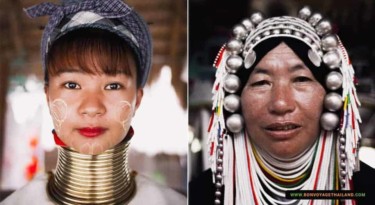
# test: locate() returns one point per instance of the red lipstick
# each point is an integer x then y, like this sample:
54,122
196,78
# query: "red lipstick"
91,131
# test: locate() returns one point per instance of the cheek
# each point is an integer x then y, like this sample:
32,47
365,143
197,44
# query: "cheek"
252,105
59,112
123,113
312,102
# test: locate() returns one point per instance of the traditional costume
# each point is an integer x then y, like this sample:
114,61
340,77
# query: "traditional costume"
104,178
243,173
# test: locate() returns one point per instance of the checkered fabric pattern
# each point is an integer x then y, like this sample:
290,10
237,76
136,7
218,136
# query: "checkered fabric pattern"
112,15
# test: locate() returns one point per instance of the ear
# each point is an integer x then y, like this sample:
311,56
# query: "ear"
139,96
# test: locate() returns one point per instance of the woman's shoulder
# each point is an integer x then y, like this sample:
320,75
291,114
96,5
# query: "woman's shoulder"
150,192
33,192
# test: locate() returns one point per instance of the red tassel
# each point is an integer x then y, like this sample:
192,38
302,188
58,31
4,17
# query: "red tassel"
212,148
211,120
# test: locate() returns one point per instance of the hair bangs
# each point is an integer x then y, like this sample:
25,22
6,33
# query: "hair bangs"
91,51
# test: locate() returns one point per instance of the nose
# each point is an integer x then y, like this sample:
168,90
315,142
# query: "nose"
282,99
92,105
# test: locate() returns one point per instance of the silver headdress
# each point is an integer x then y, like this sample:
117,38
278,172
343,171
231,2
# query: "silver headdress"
341,115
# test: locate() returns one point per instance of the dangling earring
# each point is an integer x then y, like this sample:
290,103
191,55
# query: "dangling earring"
57,139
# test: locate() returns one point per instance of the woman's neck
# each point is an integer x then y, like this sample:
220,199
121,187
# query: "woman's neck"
92,179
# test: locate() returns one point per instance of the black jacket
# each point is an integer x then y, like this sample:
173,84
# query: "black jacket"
202,190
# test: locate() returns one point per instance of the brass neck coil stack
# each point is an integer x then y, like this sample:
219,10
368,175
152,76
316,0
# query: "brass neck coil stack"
92,179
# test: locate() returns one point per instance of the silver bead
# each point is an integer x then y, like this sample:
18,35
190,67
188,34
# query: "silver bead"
248,24
219,177
218,185
315,47
287,31
234,46
276,31
342,165
239,31
220,160
221,153
323,27
220,145
342,148
234,62
333,102
343,156
235,123
220,168
343,173
232,103
307,40
257,17
297,33
315,18
332,59
329,121
329,42
266,33
217,202
343,182
304,13
220,139
342,140
256,39
334,80
218,193
232,83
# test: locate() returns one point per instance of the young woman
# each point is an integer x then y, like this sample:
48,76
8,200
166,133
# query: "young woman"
96,57
285,117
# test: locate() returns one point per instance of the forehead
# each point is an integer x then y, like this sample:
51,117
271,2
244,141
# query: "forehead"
280,58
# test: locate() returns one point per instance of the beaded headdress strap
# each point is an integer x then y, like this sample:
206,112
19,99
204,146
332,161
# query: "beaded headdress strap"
341,114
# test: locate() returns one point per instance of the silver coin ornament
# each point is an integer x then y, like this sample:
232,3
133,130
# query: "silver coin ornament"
257,17
232,83
234,62
334,80
332,59
323,27
333,102
329,42
235,123
304,13
234,46
315,18
232,103
239,31
329,121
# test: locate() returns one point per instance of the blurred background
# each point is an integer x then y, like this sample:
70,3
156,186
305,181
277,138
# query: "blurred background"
210,26
159,146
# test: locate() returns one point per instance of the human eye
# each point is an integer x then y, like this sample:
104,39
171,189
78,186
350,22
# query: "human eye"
113,86
302,79
72,85
259,83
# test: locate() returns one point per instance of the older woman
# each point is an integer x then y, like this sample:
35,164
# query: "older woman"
285,117
96,57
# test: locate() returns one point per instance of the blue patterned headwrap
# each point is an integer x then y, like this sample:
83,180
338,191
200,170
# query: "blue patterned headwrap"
111,15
